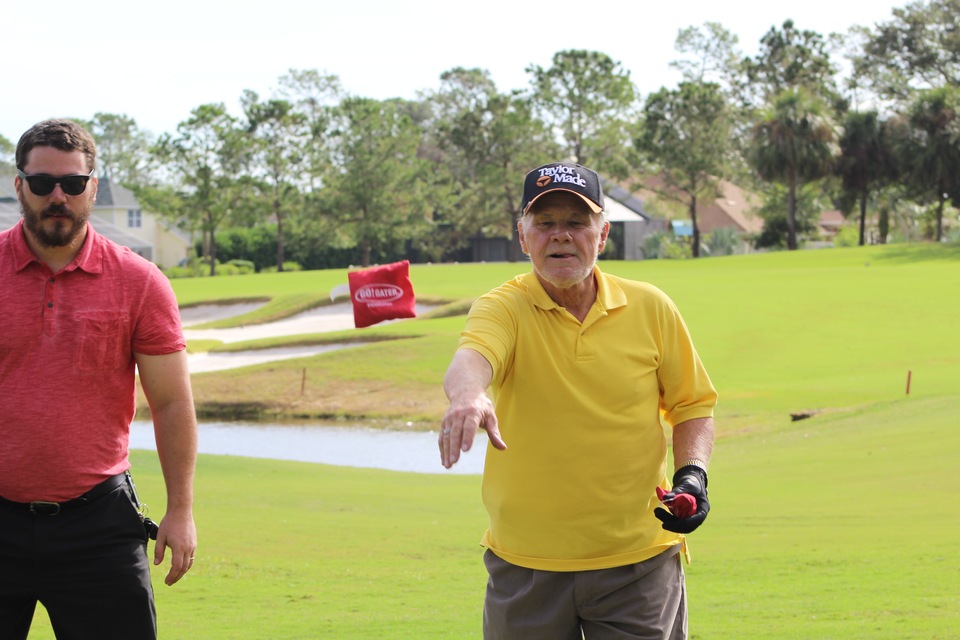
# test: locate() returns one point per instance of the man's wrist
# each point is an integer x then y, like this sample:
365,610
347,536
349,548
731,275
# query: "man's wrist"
690,478
693,462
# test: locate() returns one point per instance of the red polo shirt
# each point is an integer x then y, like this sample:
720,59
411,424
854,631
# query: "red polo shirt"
67,386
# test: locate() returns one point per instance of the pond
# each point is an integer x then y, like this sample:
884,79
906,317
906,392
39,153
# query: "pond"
351,446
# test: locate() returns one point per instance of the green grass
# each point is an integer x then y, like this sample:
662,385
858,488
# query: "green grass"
840,526
781,333
292,550
285,293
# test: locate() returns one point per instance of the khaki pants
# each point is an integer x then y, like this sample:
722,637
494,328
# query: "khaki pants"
646,600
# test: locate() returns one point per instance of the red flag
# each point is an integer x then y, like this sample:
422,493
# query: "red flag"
381,293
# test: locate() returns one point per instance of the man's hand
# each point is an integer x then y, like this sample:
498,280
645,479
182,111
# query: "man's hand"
682,505
470,409
178,532
692,481
460,424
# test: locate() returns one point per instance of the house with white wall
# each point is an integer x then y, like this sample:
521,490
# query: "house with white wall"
117,206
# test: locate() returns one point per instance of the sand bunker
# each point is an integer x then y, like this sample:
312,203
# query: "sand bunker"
335,317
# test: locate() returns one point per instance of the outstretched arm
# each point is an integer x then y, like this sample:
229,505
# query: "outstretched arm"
470,409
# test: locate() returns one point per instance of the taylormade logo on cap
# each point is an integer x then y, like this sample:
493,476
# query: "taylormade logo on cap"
559,173
563,176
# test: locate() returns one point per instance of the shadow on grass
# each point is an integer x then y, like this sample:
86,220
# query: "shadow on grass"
919,252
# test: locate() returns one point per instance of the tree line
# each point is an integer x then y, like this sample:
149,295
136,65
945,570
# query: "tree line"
329,179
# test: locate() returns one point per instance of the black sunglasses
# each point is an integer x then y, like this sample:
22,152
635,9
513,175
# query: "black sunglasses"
43,185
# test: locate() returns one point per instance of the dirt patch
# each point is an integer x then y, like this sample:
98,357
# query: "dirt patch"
284,393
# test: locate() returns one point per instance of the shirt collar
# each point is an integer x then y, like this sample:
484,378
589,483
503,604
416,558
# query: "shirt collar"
87,259
90,257
609,293
21,253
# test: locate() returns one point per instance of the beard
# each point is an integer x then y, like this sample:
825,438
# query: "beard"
56,225
570,276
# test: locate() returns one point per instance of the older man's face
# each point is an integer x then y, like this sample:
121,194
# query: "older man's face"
563,239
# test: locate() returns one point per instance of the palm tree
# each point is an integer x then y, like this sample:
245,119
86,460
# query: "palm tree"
927,146
793,144
865,161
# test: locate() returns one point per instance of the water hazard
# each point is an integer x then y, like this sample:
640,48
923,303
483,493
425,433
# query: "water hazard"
351,446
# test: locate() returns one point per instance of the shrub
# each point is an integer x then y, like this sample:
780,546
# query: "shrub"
287,266
848,236
243,266
722,242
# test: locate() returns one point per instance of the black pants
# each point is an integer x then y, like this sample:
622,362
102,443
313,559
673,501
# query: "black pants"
87,565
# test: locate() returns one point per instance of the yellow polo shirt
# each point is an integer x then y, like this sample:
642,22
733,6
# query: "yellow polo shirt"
579,406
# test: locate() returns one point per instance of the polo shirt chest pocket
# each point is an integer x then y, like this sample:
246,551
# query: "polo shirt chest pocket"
102,339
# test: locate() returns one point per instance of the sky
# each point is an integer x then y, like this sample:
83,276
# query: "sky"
156,61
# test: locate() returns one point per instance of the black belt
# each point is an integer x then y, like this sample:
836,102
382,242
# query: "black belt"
44,508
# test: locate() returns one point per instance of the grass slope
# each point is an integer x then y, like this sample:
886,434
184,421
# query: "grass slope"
840,526
814,331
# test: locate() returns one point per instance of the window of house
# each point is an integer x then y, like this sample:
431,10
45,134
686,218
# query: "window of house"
134,218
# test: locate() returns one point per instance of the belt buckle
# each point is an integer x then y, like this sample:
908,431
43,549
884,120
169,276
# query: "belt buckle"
41,508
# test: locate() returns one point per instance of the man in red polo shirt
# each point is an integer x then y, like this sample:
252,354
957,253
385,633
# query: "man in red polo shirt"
81,315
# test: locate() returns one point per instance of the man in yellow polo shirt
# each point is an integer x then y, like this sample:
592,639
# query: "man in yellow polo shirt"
581,366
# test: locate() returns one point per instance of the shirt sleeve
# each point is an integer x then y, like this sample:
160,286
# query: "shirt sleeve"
491,330
158,330
686,391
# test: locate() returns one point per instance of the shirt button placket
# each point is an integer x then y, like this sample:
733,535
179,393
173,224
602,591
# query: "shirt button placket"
49,311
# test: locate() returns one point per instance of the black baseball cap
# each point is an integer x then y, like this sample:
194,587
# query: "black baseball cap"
563,176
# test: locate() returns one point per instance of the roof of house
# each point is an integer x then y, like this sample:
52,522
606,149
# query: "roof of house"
614,211
111,194
734,206
10,215
617,200
831,220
